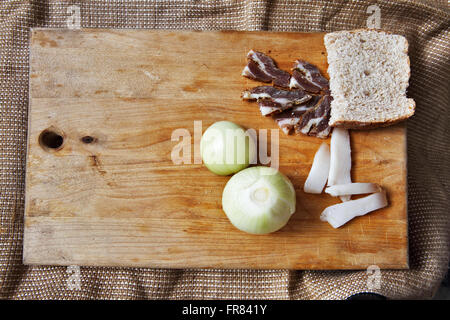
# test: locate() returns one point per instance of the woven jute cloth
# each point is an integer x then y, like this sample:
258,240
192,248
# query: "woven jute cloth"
424,23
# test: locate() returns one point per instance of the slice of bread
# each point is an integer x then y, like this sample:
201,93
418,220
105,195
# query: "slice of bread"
369,73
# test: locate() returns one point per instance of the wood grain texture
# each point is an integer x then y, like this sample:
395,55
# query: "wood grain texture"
121,201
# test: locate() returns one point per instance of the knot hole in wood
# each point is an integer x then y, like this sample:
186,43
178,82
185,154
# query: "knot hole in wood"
51,139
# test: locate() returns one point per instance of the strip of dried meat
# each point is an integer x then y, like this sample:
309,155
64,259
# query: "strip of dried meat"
275,100
287,119
308,77
269,107
314,122
263,68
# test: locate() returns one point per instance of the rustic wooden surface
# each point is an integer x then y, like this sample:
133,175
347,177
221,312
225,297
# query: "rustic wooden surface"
120,201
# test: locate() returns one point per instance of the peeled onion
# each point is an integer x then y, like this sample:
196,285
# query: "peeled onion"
259,200
226,148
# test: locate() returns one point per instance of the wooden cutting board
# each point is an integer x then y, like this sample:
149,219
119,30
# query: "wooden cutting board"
110,194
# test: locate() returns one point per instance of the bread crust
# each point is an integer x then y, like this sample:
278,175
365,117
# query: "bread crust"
347,124
365,125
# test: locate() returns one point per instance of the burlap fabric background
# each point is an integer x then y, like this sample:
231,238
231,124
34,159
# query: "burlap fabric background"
425,24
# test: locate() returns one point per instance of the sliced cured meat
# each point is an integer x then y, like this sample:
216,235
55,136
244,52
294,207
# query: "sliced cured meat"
262,68
269,107
285,98
307,77
293,117
293,110
287,119
286,111
340,160
352,188
318,175
253,71
341,213
299,81
314,122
